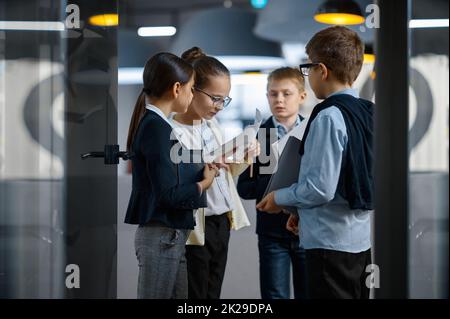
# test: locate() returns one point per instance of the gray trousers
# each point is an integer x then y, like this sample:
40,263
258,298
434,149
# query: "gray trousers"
160,252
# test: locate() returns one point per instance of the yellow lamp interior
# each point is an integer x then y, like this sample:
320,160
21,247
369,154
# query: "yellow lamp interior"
339,18
105,20
369,58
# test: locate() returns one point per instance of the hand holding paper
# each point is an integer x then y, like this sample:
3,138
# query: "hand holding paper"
240,144
253,151
221,163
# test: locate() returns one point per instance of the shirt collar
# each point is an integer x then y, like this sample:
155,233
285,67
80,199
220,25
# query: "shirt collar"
155,109
278,124
351,92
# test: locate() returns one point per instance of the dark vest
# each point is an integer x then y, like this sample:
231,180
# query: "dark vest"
273,225
356,177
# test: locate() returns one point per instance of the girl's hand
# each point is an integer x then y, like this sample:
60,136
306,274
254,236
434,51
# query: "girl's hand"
220,163
253,151
209,173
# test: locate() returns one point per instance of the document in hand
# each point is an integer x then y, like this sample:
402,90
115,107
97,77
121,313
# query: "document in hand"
297,132
288,165
238,145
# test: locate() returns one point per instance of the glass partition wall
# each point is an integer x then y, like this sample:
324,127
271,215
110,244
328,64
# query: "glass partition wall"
58,105
58,92
411,149
32,154
428,147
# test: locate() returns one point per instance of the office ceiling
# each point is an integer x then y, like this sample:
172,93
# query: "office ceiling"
136,13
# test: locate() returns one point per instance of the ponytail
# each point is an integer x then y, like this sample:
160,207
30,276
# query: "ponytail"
161,71
204,65
138,112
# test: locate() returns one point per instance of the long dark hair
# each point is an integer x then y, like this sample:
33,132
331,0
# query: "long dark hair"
204,66
161,72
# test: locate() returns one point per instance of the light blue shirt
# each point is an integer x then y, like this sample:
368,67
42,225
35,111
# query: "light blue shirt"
281,129
326,220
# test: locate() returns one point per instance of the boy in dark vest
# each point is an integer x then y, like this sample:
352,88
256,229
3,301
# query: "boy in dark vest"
279,249
334,192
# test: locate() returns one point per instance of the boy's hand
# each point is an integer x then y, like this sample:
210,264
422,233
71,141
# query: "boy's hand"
267,204
292,224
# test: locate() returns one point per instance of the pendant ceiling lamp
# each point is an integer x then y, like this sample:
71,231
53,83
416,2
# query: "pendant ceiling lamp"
105,20
293,21
339,12
227,34
369,54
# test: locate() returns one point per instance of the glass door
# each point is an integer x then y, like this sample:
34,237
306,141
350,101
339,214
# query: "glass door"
58,152
411,149
428,150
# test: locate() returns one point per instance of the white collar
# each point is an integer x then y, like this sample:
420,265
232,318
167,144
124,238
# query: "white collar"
158,111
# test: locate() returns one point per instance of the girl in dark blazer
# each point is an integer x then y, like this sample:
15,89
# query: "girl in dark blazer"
160,203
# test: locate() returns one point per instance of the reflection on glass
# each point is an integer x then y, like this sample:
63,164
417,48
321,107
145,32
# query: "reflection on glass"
58,213
428,161
31,153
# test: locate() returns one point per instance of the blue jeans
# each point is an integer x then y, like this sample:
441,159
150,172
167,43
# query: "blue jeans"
276,255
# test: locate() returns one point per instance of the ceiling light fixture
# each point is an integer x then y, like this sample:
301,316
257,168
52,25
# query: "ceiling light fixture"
32,25
339,12
164,31
105,20
428,23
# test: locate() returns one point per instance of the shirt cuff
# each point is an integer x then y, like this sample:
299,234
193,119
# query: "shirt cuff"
282,197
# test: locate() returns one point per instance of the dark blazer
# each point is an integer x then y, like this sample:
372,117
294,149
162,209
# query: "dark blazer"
267,224
156,191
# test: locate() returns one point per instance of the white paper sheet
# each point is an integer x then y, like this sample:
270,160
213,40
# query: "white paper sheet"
238,145
297,132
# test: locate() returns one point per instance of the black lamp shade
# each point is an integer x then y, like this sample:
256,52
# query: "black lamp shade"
339,6
222,31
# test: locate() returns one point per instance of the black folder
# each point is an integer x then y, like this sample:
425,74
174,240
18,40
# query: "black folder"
287,170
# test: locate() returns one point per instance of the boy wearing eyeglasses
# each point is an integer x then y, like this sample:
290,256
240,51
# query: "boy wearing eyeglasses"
279,249
334,192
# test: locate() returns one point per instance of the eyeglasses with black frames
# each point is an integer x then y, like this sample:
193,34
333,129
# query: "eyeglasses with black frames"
304,68
218,101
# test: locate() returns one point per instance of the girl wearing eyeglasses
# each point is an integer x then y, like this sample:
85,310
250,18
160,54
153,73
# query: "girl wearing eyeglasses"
207,246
